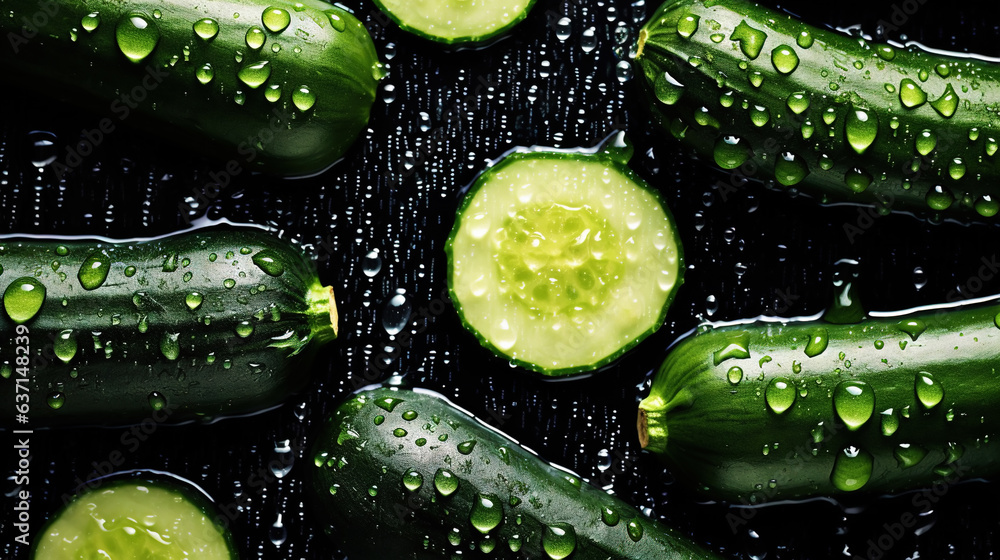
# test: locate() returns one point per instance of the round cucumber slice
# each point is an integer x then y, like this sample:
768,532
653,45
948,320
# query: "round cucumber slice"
562,261
456,22
134,520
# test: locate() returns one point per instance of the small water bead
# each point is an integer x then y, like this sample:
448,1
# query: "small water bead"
170,346
756,79
336,21
157,401
445,482
926,142
947,104
396,313
830,116
275,19
205,73
193,300
861,129
206,28
804,39
703,117
137,36
784,59
514,542
244,329
851,469
559,540
455,536
255,37
819,339
759,115
890,422
854,402
388,404
269,261
634,529
687,25
731,152
808,128
413,480
780,394
790,169
399,432
486,513
23,298
65,346
956,168
229,283
378,420
55,400
986,206
667,89
373,490
885,52
991,146
858,180
908,455
610,516
973,134
798,102
303,98
735,375
94,270
939,198
466,447
90,22
929,391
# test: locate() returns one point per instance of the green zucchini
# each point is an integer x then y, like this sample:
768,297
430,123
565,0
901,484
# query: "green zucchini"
135,519
405,474
195,325
274,86
456,22
562,261
828,114
787,410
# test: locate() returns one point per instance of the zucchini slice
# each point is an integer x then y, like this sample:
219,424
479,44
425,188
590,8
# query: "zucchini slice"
561,261
135,520
456,22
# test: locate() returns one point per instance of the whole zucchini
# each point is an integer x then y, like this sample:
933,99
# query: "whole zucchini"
404,474
274,86
175,328
832,115
783,410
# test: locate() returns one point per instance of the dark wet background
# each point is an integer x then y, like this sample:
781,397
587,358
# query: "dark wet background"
439,118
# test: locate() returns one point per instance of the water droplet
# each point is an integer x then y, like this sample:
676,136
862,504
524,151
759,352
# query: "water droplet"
751,40
609,516
204,73
756,79
55,400
780,394
466,447
270,262
487,513
373,490
929,391
303,98
137,36
759,115
790,169
559,540
731,152
244,329
90,22
396,314
634,529
255,74
947,103
157,401
372,264
798,102
908,455
830,116
735,374
986,206
275,19
854,402
413,480
667,89
94,270
170,346
804,39
956,168
388,404
851,469
399,432
861,129
255,37
272,93
858,180
885,52
23,298
64,346
445,482
784,59
819,339
890,422
910,94
193,300
229,283
206,28
336,21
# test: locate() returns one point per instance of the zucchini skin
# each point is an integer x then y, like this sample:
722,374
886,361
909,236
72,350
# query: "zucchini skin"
162,92
354,454
718,427
144,347
810,124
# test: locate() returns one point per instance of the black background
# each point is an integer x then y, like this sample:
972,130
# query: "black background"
439,118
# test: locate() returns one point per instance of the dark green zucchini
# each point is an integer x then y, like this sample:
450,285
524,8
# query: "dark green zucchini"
832,115
785,410
196,325
404,474
274,86
135,518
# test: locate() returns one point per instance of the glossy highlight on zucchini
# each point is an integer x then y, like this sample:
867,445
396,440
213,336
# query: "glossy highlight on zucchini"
772,410
456,22
214,322
279,87
561,261
831,115
135,519
405,474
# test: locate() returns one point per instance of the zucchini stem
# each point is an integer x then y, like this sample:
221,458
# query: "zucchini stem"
322,313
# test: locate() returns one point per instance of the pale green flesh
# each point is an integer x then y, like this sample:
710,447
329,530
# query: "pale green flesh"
132,521
450,20
563,263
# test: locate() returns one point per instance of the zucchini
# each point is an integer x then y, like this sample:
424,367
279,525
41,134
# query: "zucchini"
135,519
456,22
405,474
274,86
561,261
196,325
787,410
835,116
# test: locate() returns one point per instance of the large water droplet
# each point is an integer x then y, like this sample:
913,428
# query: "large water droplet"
851,469
751,40
610,516
413,480
65,346
854,402
559,540
731,152
90,22
908,455
94,270
798,102
255,74
396,314
910,94
255,37
667,89
445,482
487,513
303,98
270,262
784,59
861,129
790,169
206,28
170,346
939,198
929,391
819,339
275,19
687,25
23,298
780,394
947,104
137,36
